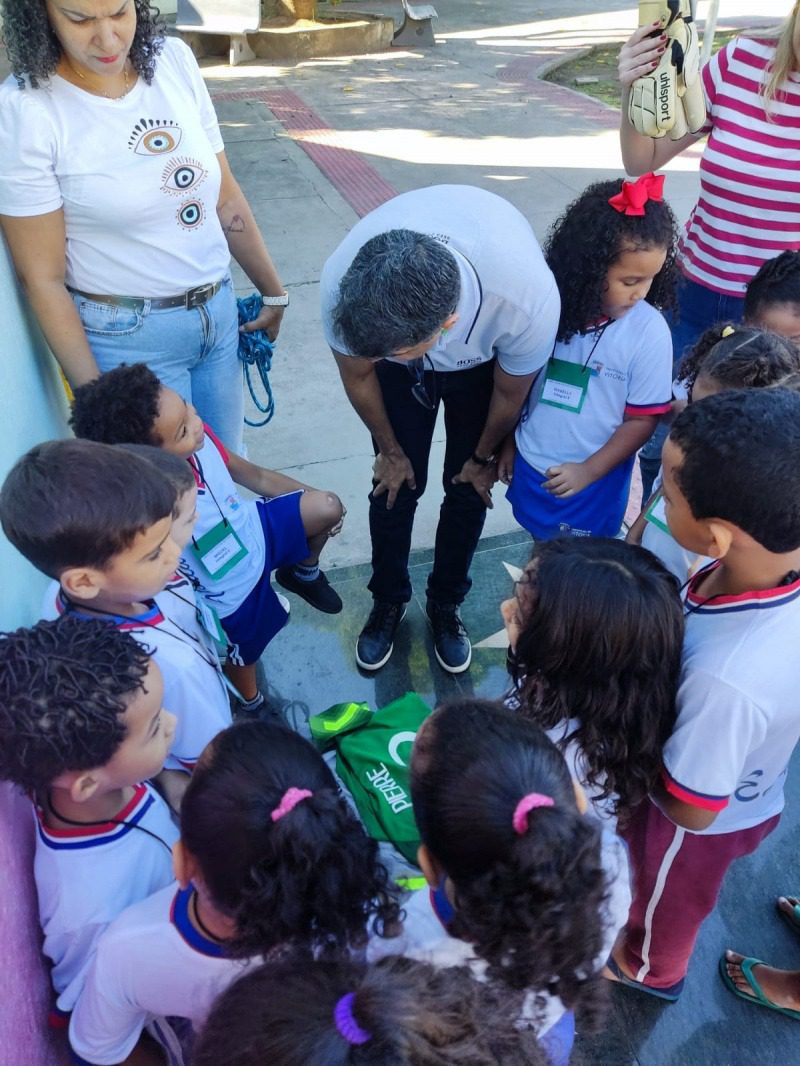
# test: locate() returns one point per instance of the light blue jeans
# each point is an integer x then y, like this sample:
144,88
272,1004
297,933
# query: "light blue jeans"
193,352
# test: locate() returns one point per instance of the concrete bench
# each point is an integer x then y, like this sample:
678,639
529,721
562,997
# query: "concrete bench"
228,18
417,28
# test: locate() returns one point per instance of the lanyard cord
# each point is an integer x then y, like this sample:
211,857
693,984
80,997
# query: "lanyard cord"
210,491
788,578
191,641
107,821
600,333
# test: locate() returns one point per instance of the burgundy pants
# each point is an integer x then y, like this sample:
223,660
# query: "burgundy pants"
677,876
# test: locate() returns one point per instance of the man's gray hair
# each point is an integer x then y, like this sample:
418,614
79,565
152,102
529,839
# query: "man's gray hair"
398,291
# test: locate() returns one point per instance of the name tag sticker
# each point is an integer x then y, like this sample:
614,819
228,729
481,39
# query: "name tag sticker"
565,385
219,550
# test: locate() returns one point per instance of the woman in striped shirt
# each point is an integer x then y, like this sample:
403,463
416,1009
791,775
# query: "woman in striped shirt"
748,210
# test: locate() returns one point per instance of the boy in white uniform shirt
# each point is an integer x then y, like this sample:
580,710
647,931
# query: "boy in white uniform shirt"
99,520
236,543
81,729
731,469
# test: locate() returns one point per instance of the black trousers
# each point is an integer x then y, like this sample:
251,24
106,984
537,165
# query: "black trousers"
466,395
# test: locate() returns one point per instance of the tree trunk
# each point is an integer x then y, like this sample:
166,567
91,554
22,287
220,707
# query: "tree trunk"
298,9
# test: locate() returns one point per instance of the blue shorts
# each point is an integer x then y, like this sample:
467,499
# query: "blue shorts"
596,511
253,625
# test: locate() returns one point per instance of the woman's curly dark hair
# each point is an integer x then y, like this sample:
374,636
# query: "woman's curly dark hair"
64,689
588,239
531,904
415,1015
777,282
601,631
741,357
119,407
310,880
34,50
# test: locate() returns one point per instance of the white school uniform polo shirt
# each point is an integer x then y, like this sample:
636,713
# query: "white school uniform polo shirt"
509,304
150,964
218,501
85,876
628,373
738,704
170,631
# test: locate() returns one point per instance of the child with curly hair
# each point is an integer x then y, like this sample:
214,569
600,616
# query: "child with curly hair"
271,859
504,846
725,357
608,379
595,630
399,1012
82,730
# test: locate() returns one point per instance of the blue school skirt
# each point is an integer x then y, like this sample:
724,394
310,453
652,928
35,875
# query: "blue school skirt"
596,511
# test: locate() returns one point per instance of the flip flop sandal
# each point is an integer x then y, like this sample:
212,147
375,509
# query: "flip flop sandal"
746,966
792,917
670,993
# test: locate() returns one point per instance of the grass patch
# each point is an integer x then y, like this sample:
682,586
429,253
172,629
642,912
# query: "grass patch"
601,63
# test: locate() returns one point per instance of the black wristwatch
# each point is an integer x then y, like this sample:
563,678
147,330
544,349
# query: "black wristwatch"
480,461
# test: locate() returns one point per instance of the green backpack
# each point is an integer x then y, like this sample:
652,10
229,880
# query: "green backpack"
372,756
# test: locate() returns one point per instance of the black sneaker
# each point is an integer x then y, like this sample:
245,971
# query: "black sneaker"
376,640
318,592
450,640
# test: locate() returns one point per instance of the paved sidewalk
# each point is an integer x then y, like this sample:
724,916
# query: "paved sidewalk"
317,144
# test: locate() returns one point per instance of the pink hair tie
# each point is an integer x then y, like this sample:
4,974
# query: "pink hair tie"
528,803
289,800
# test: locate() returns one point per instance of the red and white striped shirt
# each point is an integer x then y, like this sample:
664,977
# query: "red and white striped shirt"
749,205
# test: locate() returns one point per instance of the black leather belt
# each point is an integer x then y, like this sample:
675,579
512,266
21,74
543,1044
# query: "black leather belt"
195,297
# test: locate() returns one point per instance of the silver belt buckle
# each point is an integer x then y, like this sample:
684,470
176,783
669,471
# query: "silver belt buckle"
198,296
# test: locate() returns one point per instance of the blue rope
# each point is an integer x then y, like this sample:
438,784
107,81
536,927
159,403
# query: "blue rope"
255,350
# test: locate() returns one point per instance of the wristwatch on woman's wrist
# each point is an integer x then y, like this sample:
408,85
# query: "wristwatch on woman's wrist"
276,301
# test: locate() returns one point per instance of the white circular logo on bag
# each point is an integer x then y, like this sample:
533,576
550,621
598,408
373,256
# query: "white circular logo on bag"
396,741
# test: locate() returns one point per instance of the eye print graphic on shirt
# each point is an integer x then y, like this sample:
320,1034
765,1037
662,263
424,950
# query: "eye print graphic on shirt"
181,175
152,136
191,214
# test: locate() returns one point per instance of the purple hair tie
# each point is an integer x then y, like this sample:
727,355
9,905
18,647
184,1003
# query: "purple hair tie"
289,800
348,1027
527,804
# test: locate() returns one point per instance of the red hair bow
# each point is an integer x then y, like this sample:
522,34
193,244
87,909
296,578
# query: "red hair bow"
635,194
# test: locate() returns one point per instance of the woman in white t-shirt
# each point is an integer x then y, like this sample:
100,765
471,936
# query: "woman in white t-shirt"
118,204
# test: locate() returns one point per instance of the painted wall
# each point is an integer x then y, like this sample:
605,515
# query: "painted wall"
32,408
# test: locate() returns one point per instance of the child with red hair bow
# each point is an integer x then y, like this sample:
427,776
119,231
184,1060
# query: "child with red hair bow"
608,380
